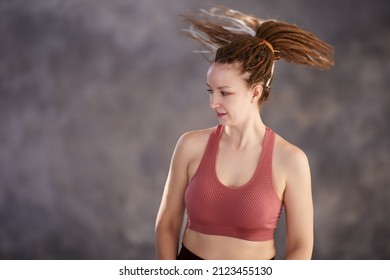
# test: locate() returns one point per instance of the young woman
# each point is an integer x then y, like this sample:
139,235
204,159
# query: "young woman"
234,179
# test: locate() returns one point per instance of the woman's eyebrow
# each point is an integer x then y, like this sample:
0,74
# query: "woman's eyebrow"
221,87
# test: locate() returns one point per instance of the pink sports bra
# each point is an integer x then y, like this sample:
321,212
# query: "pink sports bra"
249,212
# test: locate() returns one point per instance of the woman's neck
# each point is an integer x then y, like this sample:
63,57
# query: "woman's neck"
245,135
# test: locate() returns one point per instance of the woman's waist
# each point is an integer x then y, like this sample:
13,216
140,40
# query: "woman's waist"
223,247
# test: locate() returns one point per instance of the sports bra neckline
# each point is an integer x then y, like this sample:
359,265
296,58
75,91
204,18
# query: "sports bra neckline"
214,155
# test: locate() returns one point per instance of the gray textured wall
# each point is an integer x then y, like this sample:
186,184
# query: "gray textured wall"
94,95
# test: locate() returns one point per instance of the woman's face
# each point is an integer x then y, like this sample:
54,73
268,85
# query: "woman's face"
230,96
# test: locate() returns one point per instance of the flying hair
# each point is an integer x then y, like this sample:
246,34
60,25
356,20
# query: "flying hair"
231,37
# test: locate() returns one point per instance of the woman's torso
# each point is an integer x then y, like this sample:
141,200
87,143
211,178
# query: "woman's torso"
233,168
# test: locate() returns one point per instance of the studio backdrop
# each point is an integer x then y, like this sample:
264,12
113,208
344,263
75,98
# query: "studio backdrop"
95,94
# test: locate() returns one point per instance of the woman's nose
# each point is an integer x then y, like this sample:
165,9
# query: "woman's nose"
214,102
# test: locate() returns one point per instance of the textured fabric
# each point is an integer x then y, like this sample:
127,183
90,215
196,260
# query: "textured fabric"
249,212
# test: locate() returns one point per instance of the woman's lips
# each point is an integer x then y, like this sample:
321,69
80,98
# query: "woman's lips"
220,115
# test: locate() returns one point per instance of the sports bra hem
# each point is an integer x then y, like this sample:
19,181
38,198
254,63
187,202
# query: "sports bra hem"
266,235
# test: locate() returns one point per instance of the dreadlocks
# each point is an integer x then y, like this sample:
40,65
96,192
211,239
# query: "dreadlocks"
256,44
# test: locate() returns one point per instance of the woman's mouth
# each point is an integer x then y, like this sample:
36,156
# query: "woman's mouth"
220,115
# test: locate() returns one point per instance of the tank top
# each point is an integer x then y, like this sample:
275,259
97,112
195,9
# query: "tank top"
249,212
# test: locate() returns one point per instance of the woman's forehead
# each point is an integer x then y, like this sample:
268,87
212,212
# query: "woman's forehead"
227,72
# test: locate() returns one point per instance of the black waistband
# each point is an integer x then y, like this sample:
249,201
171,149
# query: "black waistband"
186,254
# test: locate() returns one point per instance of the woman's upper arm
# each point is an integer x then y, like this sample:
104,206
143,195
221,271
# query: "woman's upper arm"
298,206
172,202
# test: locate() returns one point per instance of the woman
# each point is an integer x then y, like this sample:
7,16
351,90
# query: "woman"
234,179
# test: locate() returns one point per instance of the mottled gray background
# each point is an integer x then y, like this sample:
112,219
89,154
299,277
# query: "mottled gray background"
94,95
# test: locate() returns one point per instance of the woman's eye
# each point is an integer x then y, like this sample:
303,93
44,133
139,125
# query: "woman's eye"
210,91
224,93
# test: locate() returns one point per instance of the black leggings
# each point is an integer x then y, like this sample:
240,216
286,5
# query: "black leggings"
186,254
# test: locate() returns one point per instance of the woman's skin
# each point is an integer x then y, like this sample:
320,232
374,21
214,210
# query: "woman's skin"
236,107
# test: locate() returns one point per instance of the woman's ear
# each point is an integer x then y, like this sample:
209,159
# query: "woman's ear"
257,91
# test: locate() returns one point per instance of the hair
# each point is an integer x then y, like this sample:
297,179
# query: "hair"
256,44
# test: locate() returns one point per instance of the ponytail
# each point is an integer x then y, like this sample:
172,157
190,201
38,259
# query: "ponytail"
294,44
232,36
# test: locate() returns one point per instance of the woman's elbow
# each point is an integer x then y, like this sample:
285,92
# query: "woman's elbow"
299,251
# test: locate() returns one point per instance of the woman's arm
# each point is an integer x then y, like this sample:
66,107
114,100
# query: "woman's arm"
298,207
171,212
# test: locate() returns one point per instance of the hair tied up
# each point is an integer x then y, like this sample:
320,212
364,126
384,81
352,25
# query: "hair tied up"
254,43
269,45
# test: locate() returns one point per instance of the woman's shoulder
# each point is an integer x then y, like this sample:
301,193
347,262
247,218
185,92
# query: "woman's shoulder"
288,154
194,141
196,135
